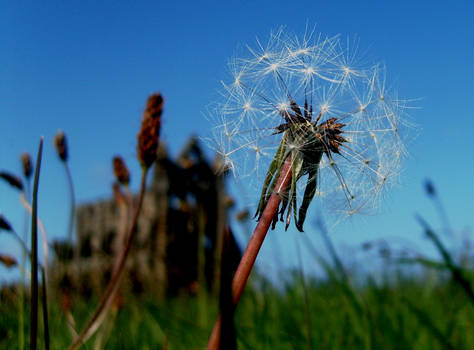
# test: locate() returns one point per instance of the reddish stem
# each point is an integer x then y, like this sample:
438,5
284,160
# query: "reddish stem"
250,255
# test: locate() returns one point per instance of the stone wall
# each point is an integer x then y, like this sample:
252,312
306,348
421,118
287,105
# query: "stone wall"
179,235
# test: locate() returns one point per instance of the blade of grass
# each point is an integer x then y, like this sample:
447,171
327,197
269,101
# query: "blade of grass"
28,208
21,318
455,270
45,309
332,251
34,254
428,323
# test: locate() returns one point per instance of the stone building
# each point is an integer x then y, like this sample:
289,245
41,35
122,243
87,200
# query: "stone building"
180,231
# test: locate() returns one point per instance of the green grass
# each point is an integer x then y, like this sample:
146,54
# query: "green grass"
405,313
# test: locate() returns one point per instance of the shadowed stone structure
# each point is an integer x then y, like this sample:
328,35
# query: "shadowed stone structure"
180,232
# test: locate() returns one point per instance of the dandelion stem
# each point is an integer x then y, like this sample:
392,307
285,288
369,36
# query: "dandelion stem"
250,255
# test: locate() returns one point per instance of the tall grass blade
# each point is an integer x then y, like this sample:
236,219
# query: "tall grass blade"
332,251
455,270
428,323
45,308
34,253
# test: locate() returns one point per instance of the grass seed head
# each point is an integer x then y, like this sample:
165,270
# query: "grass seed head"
430,189
148,137
121,171
8,261
27,165
4,224
60,143
12,180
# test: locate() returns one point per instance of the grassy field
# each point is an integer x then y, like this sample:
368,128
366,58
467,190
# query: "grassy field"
426,310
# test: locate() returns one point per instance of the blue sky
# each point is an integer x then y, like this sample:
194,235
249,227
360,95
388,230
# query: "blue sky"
87,68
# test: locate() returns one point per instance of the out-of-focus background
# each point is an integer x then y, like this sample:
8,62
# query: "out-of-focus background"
86,68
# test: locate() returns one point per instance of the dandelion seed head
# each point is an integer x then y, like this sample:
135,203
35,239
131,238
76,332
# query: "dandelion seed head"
346,125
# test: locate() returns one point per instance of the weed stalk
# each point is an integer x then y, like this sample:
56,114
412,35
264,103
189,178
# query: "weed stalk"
250,255
101,310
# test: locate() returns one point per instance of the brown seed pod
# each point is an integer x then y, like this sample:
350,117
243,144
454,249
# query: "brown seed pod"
27,164
148,136
4,224
242,215
12,180
121,171
60,143
8,260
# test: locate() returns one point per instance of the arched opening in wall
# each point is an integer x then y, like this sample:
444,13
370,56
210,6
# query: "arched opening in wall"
85,249
107,242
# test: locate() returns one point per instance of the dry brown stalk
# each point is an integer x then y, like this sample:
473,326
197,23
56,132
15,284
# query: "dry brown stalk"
148,138
119,197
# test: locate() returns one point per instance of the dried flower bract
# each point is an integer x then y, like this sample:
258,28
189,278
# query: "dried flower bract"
148,136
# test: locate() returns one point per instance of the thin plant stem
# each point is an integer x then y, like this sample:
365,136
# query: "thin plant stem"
45,309
42,230
34,253
101,310
72,202
250,255
21,318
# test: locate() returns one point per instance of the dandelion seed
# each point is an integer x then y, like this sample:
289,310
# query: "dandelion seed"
309,100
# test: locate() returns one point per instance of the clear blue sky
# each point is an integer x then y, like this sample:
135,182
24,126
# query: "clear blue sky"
87,68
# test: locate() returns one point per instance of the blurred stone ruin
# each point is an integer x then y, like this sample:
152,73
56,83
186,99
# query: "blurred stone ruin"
179,240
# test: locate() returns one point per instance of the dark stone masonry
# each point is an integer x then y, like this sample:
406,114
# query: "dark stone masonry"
179,240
